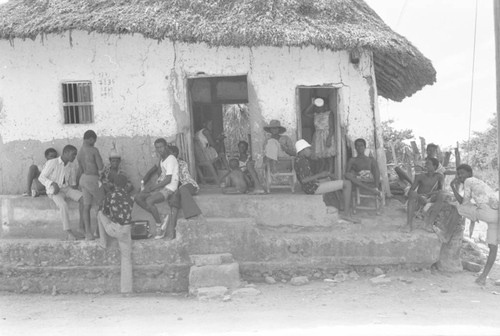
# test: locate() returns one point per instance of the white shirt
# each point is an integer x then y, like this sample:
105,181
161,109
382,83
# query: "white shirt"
170,166
56,171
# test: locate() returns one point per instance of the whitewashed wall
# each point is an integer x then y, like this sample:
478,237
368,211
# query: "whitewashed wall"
140,93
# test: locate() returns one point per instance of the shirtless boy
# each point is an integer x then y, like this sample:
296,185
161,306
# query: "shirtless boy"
426,188
357,166
90,165
238,181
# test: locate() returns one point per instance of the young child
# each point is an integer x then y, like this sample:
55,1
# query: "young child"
90,165
238,181
35,188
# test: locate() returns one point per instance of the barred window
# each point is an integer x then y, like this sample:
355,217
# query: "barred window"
77,102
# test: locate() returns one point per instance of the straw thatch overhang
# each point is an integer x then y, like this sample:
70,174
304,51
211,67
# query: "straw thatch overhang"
400,68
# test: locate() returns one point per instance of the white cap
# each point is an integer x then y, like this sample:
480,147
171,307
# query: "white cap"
319,102
301,144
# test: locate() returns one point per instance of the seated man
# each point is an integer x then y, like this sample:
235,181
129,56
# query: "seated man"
363,170
111,170
166,184
276,145
59,178
182,198
311,185
247,165
34,187
427,188
484,208
237,181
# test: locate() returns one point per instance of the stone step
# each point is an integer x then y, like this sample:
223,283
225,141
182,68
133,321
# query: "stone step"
226,275
93,279
257,250
26,217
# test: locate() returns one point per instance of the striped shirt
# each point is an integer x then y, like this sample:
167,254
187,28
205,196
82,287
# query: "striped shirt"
56,171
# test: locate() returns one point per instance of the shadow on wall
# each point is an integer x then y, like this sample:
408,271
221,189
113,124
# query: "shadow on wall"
17,156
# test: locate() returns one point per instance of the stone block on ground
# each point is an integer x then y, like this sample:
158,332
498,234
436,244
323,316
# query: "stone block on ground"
227,275
299,280
211,259
209,293
247,291
380,280
471,266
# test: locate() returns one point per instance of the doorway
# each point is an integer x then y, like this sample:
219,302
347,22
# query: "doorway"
219,119
306,95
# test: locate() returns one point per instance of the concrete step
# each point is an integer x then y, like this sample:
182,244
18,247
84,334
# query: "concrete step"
226,275
26,217
92,279
257,249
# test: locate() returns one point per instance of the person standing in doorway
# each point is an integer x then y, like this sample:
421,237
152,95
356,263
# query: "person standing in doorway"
323,143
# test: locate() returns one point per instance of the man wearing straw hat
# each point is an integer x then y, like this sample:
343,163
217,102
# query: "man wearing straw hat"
277,144
111,170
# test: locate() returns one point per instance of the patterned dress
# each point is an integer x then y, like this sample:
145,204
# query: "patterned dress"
118,206
303,170
320,136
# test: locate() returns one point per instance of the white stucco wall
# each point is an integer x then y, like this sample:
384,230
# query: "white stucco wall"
139,88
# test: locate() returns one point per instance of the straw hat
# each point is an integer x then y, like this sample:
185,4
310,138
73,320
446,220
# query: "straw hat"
275,124
113,153
301,145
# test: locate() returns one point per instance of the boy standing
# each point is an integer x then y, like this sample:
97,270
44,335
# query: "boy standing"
479,202
90,166
114,219
166,184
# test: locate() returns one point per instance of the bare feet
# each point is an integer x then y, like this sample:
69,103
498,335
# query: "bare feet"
350,219
406,229
481,281
70,236
89,237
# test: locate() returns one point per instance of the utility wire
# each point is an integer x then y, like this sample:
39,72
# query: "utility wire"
472,76
401,14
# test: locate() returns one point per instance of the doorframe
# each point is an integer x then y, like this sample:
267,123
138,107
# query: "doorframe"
341,152
191,133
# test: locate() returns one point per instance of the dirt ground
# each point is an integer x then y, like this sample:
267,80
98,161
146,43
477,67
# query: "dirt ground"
412,303
420,302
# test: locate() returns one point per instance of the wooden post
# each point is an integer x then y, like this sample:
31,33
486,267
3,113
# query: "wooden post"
457,156
422,147
496,27
393,151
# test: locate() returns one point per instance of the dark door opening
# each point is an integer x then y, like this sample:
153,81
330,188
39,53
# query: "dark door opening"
311,127
219,114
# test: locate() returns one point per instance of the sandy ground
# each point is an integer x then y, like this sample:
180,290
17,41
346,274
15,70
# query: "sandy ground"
412,303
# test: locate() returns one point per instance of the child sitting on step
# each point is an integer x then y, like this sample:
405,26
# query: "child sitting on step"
236,182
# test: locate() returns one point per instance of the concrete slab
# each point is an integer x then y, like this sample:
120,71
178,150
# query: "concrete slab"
27,217
227,275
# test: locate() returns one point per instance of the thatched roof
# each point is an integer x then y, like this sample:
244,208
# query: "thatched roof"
400,68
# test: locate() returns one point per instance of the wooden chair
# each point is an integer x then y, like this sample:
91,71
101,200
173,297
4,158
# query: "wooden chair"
285,168
362,200
204,167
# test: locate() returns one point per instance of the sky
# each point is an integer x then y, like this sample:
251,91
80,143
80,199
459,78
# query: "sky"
443,30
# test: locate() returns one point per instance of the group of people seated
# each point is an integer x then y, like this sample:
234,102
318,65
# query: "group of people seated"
107,186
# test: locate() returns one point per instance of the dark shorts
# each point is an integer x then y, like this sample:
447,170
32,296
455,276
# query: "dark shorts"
175,199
